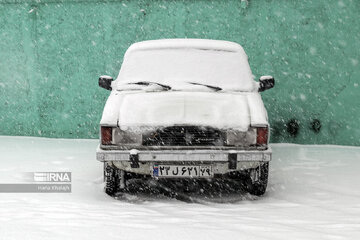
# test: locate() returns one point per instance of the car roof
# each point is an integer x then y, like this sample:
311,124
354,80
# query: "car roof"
187,43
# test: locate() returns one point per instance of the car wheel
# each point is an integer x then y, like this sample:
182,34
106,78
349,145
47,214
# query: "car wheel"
114,179
257,179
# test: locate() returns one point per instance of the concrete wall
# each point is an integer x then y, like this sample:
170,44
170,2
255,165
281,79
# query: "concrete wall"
52,52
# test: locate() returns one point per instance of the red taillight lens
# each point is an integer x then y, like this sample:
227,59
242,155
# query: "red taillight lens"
262,136
106,135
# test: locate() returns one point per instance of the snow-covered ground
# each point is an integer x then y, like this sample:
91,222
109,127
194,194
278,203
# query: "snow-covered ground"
314,193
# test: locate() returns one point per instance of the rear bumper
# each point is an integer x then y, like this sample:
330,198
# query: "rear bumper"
208,155
221,161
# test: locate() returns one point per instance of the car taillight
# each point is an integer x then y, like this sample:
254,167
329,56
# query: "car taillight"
262,136
106,135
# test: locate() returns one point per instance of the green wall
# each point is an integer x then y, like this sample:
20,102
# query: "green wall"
52,52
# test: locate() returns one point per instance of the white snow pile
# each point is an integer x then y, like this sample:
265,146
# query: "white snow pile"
266,77
313,193
187,108
159,109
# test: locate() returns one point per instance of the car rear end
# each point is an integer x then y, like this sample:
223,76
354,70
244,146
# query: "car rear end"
184,151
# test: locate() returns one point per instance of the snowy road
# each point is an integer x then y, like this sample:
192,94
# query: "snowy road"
314,193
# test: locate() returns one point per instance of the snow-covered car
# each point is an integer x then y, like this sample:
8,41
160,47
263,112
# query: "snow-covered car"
185,109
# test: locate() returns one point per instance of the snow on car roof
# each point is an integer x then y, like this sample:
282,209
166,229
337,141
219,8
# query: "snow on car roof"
204,44
176,62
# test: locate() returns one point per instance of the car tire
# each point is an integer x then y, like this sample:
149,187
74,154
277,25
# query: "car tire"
113,177
258,186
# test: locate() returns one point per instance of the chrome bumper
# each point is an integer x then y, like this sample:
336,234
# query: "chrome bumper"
184,155
222,161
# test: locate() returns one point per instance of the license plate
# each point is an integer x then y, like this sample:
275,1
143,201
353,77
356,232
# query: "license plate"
182,171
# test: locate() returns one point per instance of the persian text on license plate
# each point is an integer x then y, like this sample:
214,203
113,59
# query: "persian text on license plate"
182,171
